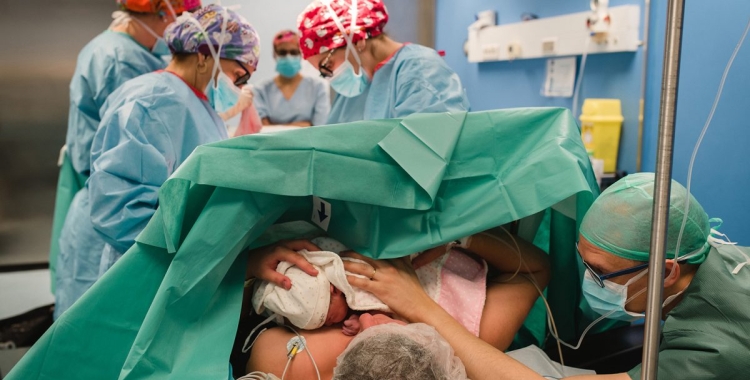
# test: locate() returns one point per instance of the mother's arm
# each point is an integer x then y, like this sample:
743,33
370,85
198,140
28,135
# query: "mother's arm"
397,285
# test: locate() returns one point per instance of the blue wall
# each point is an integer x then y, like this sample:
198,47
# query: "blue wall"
722,174
519,83
721,177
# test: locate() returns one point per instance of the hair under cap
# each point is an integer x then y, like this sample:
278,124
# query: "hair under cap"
619,220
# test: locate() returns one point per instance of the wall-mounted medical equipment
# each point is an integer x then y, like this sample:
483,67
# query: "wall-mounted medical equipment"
610,30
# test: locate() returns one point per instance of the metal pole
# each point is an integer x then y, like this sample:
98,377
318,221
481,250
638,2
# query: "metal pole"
644,76
662,190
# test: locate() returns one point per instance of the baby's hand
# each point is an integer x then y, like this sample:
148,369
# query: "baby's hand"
351,325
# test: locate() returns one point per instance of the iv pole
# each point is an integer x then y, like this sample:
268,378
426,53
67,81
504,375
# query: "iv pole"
665,152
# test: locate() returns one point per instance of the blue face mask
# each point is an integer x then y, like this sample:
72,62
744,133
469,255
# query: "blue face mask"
289,66
160,48
346,82
222,94
611,299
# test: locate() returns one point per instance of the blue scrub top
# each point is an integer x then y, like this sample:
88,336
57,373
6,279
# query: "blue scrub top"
310,102
150,125
105,63
416,79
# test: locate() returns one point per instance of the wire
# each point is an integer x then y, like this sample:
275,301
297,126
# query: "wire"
605,316
306,349
522,262
703,134
580,76
286,367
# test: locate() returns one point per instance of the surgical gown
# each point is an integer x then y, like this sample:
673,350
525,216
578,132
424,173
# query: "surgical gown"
415,79
150,125
310,102
105,63
707,336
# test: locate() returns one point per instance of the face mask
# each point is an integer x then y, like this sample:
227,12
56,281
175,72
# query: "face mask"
288,67
610,300
223,94
160,47
345,81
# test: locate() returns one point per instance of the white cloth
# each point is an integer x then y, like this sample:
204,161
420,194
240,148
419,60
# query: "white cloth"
534,358
306,304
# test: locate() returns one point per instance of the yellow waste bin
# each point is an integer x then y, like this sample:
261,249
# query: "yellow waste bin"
601,124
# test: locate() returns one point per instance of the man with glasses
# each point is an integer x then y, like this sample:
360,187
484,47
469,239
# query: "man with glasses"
706,331
290,98
706,298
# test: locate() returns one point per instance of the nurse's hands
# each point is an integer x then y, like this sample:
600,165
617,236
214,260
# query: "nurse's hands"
395,283
263,261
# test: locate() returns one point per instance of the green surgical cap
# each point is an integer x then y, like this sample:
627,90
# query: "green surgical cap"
619,221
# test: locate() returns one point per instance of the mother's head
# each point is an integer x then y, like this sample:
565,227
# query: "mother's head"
395,351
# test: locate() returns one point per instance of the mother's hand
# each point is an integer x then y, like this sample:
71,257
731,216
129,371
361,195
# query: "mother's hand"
394,282
263,261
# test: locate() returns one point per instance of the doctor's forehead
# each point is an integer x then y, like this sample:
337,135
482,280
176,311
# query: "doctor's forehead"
600,258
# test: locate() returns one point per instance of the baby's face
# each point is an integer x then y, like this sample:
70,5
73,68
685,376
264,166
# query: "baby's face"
338,309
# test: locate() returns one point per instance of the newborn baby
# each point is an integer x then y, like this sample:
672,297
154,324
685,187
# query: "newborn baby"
454,280
313,302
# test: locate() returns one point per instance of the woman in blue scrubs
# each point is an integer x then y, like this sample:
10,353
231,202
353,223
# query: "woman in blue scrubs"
290,98
132,46
149,126
374,76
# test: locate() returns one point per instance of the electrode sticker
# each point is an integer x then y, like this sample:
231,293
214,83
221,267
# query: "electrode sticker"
299,341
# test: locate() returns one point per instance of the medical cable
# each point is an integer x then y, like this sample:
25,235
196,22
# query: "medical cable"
703,134
305,348
604,316
581,70
245,347
550,319
522,262
517,250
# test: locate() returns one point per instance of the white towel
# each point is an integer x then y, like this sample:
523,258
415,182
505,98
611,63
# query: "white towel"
306,303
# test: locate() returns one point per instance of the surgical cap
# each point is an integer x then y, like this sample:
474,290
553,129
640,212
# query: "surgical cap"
157,6
393,351
320,34
240,42
285,36
619,221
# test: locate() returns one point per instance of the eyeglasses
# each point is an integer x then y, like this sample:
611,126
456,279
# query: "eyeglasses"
242,80
599,278
325,72
284,52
